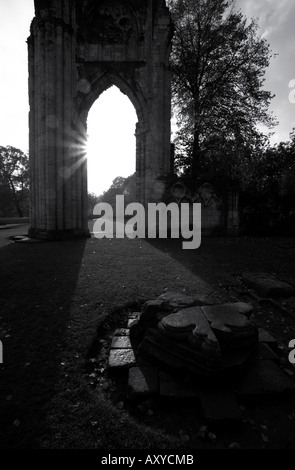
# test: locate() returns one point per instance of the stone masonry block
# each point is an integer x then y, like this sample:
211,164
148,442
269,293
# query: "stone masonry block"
121,342
121,359
142,382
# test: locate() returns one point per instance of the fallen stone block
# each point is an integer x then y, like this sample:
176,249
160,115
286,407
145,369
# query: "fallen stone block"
176,300
190,325
121,342
131,322
215,338
235,314
133,315
231,325
121,359
25,239
268,286
142,382
202,340
122,332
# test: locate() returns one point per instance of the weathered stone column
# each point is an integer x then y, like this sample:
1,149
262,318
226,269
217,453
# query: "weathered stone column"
140,135
158,90
57,153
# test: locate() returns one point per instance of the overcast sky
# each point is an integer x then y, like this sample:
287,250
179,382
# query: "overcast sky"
276,19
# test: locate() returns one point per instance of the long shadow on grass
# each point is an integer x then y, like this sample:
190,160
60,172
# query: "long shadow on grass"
218,257
37,283
204,261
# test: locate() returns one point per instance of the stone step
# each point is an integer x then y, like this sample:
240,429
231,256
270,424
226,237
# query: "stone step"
122,332
121,359
121,342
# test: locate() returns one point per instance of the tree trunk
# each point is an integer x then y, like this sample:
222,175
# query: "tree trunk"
15,200
196,167
19,211
196,164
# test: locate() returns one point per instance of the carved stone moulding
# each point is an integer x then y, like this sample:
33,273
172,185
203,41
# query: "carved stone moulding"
211,340
110,23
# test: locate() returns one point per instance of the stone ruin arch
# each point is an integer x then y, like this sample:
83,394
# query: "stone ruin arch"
77,50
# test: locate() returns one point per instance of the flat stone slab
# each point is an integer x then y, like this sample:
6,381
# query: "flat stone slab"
268,286
208,339
187,321
224,322
122,332
231,314
265,378
17,237
170,388
131,322
134,315
121,342
219,405
191,325
121,359
25,239
142,382
231,325
176,300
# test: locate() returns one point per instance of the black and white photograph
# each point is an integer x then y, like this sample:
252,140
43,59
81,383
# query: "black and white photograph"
147,231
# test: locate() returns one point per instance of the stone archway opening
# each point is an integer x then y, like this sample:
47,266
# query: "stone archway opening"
77,50
111,142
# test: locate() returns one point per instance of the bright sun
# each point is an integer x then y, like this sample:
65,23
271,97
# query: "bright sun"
111,140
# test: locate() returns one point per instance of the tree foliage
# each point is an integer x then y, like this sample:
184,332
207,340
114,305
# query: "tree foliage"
93,199
14,177
218,64
275,169
121,186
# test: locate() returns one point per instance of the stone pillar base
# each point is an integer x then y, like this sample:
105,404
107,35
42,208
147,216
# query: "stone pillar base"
56,235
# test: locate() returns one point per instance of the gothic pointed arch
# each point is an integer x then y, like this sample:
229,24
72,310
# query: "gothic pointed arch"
100,83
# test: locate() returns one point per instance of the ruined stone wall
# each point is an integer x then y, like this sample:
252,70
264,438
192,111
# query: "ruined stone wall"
219,206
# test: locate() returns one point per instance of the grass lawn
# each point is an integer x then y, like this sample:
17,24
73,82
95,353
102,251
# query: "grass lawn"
56,299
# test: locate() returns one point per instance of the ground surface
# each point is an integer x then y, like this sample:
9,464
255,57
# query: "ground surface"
58,300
